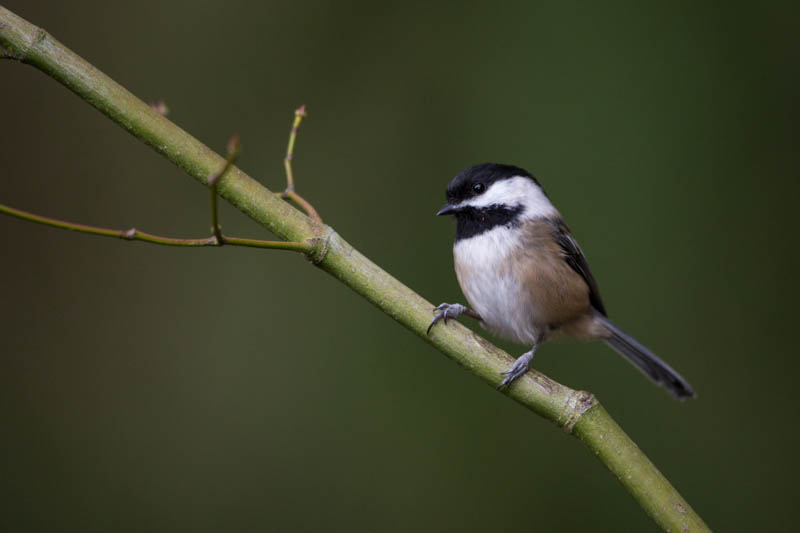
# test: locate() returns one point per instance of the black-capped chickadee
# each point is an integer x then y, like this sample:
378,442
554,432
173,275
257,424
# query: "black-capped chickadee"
525,276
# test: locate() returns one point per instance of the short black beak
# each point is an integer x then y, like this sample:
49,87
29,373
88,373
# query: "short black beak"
447,210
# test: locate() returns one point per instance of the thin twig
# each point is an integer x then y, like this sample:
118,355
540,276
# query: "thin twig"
289,193
134,234
299,114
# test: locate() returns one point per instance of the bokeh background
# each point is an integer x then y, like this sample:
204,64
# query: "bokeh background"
160,389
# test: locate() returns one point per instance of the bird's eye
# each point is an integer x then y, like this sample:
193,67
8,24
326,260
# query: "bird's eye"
478,188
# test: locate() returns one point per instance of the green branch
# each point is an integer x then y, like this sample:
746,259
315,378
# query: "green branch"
577,412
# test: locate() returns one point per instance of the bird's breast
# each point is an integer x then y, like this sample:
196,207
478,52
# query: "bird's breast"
492,284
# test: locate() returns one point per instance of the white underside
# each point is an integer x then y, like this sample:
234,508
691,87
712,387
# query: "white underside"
491,287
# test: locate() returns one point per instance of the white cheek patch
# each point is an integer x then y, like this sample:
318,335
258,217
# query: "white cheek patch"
515,191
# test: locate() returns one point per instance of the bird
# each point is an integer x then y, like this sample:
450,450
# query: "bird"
524,275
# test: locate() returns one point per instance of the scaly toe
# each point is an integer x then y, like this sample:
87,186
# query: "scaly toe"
519,368
437,317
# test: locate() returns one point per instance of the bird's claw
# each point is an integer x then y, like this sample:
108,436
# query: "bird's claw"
520,366
446,311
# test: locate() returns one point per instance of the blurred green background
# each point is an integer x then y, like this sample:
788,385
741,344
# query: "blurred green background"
159,389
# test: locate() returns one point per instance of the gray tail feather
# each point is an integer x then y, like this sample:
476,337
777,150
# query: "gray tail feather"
646,361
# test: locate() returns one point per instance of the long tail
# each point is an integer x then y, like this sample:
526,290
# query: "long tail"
646,361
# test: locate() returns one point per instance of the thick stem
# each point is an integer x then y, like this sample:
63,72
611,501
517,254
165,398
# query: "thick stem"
575,411
655,494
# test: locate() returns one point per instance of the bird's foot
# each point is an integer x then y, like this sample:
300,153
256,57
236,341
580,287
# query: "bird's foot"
446,311
519,367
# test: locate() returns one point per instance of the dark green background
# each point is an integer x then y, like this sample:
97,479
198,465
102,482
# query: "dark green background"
146,388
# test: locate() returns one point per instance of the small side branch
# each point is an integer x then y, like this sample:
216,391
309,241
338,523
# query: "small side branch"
289,193
134,234
216,239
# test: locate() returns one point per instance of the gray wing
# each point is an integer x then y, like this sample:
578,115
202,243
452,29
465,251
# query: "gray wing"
577,261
